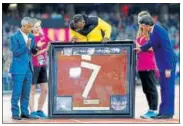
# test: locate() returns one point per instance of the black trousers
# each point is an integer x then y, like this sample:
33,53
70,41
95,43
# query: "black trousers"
148,80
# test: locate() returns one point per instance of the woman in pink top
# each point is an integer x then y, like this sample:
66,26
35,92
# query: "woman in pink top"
146,67
40,71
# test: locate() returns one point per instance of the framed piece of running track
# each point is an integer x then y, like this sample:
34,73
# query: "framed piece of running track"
92,80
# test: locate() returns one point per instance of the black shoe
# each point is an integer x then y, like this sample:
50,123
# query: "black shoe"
16,117
162,116
28,117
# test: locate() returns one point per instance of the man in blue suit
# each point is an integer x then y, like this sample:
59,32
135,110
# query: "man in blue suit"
22,47
166,62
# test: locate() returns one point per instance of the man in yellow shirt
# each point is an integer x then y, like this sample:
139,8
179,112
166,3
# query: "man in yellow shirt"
89,29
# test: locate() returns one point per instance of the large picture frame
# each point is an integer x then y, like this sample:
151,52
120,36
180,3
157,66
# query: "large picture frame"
92,80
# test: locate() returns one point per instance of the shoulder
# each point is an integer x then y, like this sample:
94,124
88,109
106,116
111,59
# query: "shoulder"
160,32
15,35
47,39
141,39
138,39
92,20
144,38
31,35
159,29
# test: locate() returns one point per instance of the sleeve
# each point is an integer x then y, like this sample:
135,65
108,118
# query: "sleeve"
104,26
146,46
168,53
47,40
34,48
15,48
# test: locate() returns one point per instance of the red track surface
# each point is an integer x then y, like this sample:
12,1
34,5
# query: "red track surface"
140,108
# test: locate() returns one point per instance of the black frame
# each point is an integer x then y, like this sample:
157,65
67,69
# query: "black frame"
52,73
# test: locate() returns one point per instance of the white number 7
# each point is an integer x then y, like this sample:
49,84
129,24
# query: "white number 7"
92,78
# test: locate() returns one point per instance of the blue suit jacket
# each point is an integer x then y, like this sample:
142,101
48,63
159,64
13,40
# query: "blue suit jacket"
160,42
22,57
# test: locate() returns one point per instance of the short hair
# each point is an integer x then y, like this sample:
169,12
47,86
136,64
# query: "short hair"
26,20
147,20
34,20
142,13
77,18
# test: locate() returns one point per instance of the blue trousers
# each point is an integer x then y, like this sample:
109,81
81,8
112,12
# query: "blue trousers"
21,91
167,93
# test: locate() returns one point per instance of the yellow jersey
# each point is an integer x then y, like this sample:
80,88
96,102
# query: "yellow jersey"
95,30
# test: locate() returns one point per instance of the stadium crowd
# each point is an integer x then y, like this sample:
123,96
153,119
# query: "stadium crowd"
123,21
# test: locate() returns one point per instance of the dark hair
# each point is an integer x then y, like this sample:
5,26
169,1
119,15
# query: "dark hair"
147,20
77,18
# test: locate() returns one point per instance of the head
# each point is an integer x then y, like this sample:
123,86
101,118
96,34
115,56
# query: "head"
36,29
142,13
146,22
27,25
79,21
